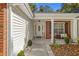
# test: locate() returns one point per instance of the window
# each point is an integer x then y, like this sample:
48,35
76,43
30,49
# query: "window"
59,28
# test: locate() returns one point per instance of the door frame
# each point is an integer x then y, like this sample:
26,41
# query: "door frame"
43,31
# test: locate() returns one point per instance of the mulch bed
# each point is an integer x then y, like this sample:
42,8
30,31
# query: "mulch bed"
66,50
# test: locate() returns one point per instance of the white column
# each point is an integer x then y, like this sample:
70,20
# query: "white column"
52,30
74,30
9,37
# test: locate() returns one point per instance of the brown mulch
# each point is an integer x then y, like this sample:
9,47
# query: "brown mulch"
1,53
66,50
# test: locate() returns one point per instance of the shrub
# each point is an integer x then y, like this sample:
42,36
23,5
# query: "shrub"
21,53
66,39
57,45
78,40
29,43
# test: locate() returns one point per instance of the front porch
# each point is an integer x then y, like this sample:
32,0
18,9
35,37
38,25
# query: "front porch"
57,27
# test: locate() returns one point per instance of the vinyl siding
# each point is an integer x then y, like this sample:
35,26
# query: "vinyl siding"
21,30
18,33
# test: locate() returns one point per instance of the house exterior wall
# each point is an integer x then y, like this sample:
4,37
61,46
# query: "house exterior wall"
61,17
23,15
3,29
21,29
48,29
18,33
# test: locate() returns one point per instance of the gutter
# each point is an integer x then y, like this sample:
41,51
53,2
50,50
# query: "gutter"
26,9
29,9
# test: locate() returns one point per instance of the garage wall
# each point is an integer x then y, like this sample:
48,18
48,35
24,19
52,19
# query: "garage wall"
20,13
18,33
21,30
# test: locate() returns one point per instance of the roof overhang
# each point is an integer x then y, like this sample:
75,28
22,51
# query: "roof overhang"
55,15
25,8
39,16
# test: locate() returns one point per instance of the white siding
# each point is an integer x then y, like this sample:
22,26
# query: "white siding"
18,33
20,29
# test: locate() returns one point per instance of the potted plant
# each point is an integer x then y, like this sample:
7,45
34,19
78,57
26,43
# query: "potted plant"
29,43
29,46
66,39
21,53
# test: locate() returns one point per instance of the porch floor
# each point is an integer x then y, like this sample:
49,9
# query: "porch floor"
40,47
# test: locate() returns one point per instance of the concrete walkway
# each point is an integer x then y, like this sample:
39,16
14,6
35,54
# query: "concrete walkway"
40,47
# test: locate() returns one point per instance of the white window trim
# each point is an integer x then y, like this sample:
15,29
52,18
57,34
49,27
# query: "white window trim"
63,25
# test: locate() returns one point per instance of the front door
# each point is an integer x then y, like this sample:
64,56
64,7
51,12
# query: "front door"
39,29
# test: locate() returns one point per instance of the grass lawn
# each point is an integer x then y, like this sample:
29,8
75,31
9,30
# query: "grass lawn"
65,50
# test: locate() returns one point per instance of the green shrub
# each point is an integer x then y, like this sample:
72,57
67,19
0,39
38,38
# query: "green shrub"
57,45
66,39
78,40
29,43
21,53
